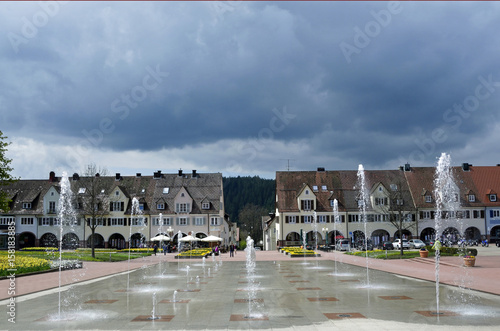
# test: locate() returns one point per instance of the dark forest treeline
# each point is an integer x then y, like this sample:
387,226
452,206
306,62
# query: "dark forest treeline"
242,191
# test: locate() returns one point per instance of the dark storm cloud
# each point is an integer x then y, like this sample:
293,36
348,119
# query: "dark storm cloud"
147,76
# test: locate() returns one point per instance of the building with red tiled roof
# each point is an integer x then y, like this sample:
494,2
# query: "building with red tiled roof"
395,200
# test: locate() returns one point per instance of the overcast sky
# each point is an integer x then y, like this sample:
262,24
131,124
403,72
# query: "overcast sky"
248,88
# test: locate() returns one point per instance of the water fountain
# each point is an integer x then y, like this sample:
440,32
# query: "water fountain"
335,221
446,195
363,198
252,285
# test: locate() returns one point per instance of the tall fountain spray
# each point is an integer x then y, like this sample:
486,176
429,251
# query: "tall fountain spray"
363,198
335,221
446,196
66,216
252,286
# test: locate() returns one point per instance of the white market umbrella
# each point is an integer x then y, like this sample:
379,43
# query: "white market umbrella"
211,239
160,237
189,238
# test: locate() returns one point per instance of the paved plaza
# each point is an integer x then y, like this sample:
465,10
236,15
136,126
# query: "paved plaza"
335,291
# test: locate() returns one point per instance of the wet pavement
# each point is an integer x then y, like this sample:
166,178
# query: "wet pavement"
334,291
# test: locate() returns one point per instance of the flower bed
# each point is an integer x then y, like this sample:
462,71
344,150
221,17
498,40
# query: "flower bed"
194,253
23,264
299,252
99,250
138,250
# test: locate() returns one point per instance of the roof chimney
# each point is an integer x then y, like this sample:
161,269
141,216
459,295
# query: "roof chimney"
180,172
138,174
52,176
407,167
97,175
194,173
321,169
117,176
76,176
157,174
466,166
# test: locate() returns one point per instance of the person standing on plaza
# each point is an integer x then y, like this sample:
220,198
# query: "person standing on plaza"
155,249
231,250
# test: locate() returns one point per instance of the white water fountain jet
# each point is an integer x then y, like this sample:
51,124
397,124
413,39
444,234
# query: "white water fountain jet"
66,217
447,199
153,312
363,198
179,237
252,285
335,221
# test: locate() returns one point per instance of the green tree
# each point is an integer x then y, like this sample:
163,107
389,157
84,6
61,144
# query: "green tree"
93,199
250,221
5,169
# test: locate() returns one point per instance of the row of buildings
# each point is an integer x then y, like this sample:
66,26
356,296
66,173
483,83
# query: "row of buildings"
311,206
123,210
394,199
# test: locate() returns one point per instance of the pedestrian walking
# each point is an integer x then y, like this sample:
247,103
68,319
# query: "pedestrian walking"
231,250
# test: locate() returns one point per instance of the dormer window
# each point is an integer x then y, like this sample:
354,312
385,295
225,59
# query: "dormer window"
160,206
165,190
472,198
493,197
380,201
324,188
428,198
315,188
394,187
205,205
81,190
26,205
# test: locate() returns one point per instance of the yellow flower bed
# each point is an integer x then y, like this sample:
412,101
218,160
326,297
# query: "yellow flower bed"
297,251
137,250
22,264
196,252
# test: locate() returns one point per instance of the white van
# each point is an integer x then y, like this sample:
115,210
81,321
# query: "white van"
343,245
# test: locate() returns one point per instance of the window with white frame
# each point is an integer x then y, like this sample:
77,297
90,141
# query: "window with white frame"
117,206
380,201
27,221
428,198
26,205
205,205
292,219
117,221
182,207
466,213
183,221
45,221
495,213
324,188
6,220
214,221
56,222
493,197
307,219
98,221
322,218
472,198
199,221
52,207
315,188
426,214
160,206
307,204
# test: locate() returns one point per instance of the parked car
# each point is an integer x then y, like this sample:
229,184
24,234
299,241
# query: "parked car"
416,243
343,245
387,245
397,244
364,246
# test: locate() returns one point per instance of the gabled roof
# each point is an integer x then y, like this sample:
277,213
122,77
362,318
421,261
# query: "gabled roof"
289,184
486,179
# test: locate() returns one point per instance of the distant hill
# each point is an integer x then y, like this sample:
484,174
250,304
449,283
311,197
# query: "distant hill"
241,191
